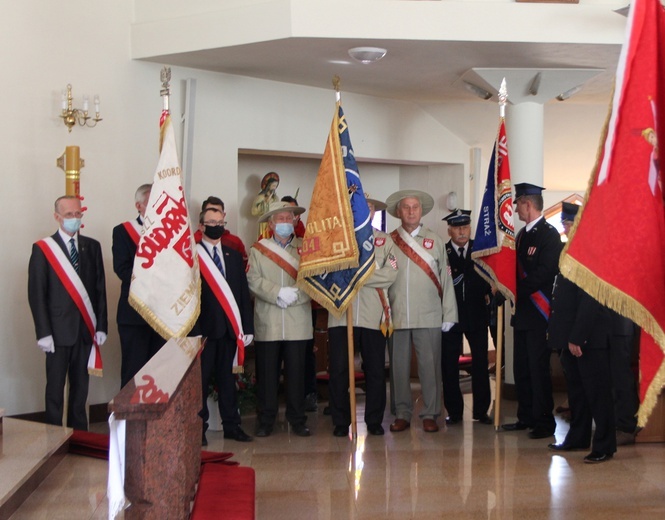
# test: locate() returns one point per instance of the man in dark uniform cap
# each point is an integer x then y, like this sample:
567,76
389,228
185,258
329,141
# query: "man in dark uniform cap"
538,250
473,295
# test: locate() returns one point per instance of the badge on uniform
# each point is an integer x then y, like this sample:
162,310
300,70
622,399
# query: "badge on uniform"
531,251
299,251
428,243
379,241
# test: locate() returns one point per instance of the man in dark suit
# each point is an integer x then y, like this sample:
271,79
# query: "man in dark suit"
473,296
216,321
138,340
538,249
64,268
579,330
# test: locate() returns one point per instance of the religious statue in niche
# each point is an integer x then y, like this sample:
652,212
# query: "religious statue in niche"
266,196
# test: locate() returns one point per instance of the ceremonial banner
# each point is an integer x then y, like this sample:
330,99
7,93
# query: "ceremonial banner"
166,284
494,244
337,253
616,252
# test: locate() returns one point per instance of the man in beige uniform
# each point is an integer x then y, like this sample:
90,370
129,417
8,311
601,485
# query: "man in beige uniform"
371,327
282,319
423,304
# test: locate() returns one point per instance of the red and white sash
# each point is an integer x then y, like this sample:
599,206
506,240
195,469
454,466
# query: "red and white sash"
70,279
222,291
133,230
417,255
268,248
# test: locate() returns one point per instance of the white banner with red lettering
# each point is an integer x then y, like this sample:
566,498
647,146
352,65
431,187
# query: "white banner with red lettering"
166,283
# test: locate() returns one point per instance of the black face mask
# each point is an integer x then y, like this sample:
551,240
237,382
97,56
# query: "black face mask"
214,232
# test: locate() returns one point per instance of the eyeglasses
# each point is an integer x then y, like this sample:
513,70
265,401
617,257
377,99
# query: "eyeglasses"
214,223
72,214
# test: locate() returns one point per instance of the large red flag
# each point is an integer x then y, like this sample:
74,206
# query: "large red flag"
617,249
494,244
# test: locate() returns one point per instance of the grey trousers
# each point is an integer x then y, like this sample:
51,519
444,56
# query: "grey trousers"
427,344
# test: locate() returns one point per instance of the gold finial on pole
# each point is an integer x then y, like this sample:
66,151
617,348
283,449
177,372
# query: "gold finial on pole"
71,163
503,98
336,83
165,92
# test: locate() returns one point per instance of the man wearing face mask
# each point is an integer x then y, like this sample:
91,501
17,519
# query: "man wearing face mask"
283,321
138,340
64,269
225,321
228,239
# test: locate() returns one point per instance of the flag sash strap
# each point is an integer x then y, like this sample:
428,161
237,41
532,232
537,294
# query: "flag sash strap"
222,291
417,255
386,319
538,298
133,230
72,283
272,251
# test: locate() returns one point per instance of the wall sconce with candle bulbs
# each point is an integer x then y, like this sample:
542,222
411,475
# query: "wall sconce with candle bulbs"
71,115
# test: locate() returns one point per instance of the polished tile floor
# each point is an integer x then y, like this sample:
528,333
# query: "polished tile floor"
466,471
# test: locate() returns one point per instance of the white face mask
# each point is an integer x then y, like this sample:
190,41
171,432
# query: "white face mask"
284,229
71,225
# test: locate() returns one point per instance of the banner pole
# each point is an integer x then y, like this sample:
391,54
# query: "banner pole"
498,382
352,372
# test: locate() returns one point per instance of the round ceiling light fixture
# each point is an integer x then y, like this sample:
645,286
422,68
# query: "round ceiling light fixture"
366,55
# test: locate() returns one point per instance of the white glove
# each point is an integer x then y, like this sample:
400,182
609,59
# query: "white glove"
46,344
288,295
100,337
447,325
247,339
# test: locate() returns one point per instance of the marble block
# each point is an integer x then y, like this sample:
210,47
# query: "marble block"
163,432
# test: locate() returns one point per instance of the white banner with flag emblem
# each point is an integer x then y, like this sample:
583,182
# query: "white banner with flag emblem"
166,284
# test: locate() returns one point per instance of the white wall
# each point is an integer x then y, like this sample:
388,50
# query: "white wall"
86,43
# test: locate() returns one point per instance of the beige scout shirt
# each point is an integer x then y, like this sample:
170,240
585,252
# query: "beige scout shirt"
266,278
414,299
367,307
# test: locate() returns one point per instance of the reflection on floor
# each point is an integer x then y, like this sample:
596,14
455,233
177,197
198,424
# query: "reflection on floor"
466,471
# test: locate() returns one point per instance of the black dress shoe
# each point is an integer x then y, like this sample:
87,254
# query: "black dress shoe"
300,430
513,427
453,420
540,433
375,429
237,435
595,457
204,440
263,431
341,431
562,446
483,419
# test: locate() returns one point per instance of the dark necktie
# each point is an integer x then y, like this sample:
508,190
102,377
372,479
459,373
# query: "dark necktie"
73,254
218,261
461,253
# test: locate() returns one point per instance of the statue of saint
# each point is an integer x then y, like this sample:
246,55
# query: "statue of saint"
262,202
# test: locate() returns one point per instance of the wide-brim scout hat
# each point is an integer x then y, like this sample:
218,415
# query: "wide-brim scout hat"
278,207
378,204
426,200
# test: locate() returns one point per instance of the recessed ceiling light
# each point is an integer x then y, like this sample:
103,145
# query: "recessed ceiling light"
366,55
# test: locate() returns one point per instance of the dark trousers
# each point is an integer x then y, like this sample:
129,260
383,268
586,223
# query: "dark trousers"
624,389
69,360
372,346
310,369
451,349
217,360
590,398
533,381
138,343
269,357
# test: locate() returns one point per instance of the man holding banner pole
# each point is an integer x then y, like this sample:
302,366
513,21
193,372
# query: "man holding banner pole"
372,325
